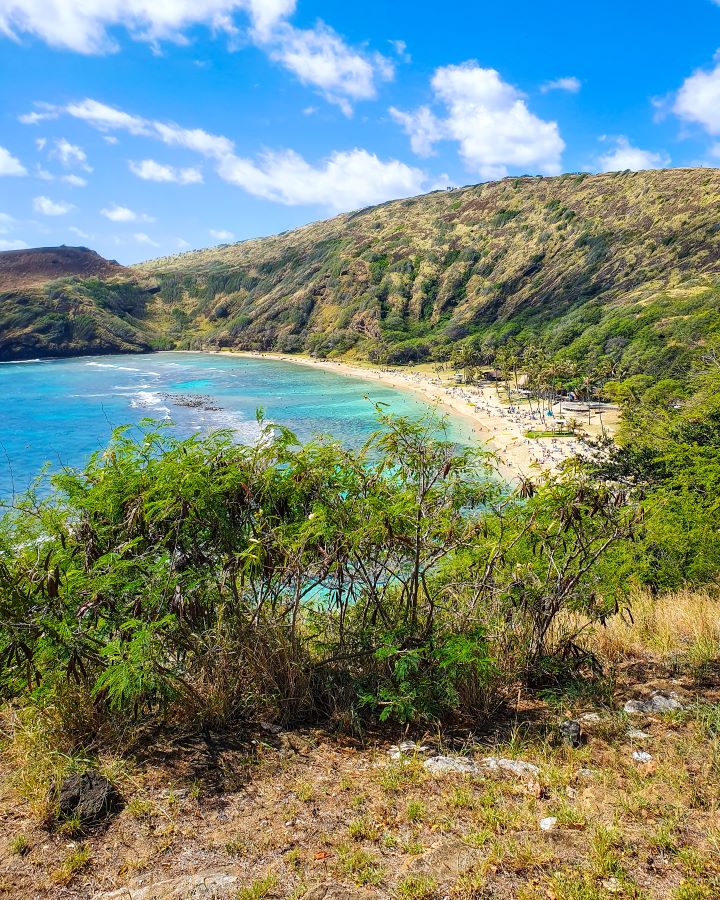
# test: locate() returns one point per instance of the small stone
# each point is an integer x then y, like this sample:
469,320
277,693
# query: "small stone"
642,756
658,703
586,773
571,733
590,717
514,766
548,824
612,885
397,751
450,765
636,735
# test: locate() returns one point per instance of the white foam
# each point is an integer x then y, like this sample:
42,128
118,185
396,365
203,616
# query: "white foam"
112,366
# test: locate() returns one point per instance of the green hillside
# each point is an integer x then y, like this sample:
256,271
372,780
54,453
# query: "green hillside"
65,301
622,266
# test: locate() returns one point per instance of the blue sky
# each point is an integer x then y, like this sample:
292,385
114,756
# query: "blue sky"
146,127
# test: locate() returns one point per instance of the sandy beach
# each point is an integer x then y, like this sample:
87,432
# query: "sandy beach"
499,425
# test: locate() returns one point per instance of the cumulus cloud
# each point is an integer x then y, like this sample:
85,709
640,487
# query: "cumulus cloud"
221,235
422,127
318,56
343,181
10,165
571,85
698,99
74,180
69,154
490,121
85,27
49,207
12,245
7,222
150,170
625,156
122,214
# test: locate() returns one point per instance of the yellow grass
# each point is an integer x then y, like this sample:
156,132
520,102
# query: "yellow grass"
682,623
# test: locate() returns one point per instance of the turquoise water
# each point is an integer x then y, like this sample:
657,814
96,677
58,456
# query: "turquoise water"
60,411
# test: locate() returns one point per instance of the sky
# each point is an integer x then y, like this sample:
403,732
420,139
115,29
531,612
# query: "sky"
143,128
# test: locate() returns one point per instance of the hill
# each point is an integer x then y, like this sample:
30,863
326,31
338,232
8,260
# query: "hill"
619,270
25,268
65,301
622,266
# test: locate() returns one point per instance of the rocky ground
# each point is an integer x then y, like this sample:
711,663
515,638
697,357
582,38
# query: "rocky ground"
568,797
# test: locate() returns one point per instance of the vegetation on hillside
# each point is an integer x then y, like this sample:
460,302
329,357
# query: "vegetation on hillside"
618,270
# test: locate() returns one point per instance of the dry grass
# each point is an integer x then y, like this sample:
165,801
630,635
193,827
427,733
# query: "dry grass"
683,623
287,815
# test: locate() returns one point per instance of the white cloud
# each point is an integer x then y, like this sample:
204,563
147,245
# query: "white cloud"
83,235
571,84
149,170
143,238
40,143
698,99
401,50
489,119
320,58
74,180
122,214
422,127
6,222
12,245
345,180
49,207
221,235
43,174
69,154
110,139
84,27
34,118
181,243
625,156
10,165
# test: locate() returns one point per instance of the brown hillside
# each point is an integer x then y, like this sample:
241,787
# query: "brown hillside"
24,268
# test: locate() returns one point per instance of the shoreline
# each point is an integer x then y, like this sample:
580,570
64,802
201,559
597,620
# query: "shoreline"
500,427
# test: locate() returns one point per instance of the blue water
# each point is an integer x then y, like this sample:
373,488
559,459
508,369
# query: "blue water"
60,411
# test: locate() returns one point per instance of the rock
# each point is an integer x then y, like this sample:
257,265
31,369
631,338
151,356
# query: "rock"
642,756
407,748
88,797
571,733
514,766
613,885
585,773
450,765
215,885
548,824
590,717
636,735
658,703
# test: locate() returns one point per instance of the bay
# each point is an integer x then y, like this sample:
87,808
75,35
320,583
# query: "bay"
59,411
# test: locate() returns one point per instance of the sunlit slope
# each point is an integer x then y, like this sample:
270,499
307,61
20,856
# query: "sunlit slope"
622,264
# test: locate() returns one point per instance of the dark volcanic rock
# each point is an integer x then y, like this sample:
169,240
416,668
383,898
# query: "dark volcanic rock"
88,797
570,733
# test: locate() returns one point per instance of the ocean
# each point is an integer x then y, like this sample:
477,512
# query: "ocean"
59,411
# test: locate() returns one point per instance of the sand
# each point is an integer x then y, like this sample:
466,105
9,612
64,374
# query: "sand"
499,425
